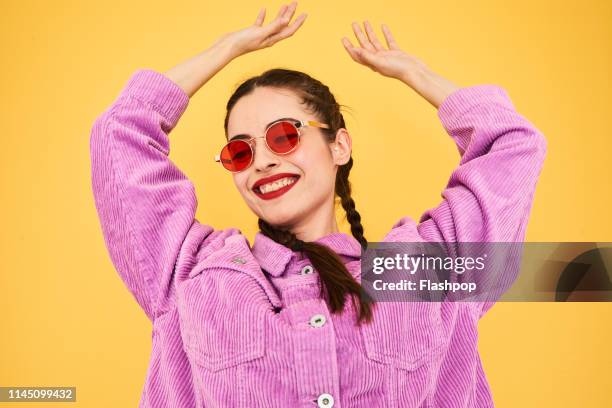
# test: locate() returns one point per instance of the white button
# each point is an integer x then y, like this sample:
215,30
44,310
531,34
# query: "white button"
238,260
307,270
317,320
325,401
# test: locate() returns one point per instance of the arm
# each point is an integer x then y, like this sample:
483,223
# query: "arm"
489,195
146,205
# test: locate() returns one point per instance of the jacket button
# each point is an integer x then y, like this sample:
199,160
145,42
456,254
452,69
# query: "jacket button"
317,320
238,260
325,401
307,270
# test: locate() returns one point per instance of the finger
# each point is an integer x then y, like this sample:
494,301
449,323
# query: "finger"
363,40
290,11
281,11
280,21
372,37
353,51
366,56
283,19
288,31
260,17
389,38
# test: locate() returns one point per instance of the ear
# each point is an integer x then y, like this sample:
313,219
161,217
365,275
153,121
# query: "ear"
342,147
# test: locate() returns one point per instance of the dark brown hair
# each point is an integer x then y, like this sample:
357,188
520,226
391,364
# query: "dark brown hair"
337,280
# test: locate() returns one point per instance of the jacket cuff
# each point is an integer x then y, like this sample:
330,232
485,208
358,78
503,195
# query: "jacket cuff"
158,91
462,100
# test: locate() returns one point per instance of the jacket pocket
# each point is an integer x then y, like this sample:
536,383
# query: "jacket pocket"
404,334
223,319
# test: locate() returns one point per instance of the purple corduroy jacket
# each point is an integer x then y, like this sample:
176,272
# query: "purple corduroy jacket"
241,325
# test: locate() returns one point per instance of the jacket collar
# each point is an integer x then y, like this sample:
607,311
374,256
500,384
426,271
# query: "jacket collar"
274,257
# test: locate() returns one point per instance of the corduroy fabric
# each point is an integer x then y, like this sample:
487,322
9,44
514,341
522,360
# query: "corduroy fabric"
231,321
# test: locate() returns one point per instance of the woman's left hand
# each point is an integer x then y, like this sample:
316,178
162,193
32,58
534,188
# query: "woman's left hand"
395,63
392,62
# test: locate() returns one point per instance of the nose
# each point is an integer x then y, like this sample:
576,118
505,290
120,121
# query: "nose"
263,158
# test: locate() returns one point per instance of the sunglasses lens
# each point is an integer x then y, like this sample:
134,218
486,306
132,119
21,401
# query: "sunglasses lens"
236,155
282,137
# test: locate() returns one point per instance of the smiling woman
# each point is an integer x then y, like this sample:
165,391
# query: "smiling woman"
313,168
268,324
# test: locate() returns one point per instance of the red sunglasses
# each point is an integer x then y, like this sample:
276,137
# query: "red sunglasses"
282,137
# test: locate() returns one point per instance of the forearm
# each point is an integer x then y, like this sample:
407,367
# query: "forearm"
192,74
431,86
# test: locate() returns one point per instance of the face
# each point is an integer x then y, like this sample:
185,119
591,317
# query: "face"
314,162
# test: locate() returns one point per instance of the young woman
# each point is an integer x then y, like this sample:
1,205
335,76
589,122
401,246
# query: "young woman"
268,325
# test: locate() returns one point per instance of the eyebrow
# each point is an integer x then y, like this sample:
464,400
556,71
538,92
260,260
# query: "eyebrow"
246,136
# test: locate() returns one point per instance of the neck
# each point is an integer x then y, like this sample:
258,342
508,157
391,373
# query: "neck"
314,232
317,225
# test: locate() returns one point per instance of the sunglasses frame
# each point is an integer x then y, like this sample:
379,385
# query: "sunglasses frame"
298,124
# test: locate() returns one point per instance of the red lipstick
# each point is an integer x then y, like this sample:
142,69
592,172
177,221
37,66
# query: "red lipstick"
277,193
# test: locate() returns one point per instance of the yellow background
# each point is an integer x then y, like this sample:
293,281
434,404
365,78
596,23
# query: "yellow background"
67,319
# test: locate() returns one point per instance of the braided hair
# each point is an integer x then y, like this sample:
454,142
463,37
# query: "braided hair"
337,282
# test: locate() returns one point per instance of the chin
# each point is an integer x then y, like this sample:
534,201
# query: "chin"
281,214
282,221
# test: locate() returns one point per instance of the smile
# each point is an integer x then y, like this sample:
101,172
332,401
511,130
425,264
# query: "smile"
276,188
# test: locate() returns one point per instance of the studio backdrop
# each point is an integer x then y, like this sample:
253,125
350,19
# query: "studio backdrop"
68,320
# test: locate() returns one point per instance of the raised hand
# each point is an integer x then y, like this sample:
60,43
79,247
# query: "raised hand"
191,74
258,36
391,62
395,63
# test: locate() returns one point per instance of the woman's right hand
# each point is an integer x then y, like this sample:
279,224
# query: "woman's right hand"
256,36
190,75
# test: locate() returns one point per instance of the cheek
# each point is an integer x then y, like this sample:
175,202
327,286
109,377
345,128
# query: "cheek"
240,181
313,159
320,177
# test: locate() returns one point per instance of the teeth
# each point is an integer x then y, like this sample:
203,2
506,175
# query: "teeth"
269,187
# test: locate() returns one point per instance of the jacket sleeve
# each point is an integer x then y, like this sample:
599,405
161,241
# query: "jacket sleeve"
145,204
489,194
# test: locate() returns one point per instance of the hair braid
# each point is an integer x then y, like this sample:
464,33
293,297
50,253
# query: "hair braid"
286,238
343,190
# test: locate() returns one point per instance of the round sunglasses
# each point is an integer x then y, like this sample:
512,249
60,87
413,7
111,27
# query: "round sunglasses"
281,137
